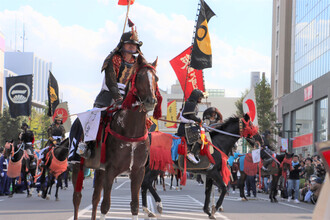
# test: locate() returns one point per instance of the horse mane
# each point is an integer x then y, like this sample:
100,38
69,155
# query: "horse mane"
227,122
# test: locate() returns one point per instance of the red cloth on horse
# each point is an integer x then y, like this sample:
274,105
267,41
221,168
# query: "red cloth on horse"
225,172
160,151
57,167
250,168
14,168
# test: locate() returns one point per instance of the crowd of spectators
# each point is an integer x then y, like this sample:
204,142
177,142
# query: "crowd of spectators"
304,181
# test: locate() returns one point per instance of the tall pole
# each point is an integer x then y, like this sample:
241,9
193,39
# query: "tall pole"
129,4
192,43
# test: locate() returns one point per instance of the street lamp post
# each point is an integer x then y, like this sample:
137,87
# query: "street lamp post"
290,133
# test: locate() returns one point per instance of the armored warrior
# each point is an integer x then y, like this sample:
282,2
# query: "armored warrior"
56,133
188,117
118,71
27,139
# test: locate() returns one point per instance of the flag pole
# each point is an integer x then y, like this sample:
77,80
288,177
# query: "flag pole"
192,43
129,4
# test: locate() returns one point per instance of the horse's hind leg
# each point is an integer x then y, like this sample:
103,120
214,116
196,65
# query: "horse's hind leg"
208,190
98,186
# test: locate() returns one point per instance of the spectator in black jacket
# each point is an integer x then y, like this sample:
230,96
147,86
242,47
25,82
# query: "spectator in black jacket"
293,182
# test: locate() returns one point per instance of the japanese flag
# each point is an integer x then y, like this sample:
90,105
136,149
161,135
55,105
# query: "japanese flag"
250,105
125,2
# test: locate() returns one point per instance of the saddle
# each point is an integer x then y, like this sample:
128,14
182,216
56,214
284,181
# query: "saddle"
203,164
273,167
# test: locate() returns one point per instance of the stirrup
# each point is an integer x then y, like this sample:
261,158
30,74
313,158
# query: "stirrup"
265,169
83,150
191,157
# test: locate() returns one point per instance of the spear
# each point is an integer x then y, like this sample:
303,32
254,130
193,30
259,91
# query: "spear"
129,4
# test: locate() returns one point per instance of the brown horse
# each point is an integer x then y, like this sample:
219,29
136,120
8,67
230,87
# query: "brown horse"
127,146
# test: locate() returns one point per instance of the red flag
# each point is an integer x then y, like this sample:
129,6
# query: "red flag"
125,2
195,77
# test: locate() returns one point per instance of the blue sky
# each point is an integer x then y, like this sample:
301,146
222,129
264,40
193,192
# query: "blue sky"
77,35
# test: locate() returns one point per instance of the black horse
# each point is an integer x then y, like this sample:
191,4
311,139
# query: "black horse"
60,153
238,127
285,163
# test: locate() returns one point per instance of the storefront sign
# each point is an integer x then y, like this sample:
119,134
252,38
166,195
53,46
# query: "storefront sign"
303,140
308,93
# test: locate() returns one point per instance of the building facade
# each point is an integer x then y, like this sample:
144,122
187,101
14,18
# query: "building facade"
22,63
301,88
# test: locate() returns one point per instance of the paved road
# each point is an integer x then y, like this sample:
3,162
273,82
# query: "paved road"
178,204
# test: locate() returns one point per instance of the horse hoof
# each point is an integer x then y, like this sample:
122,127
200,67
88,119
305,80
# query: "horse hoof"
10,196
159,207
29,195
211,217
135,217
213,211
47,197
102,217
57,199
151,215
244,199
39,194
275,200
221,209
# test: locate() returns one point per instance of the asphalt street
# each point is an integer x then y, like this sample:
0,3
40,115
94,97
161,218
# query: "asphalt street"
177,204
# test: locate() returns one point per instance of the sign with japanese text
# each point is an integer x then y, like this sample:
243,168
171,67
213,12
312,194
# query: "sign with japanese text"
195,77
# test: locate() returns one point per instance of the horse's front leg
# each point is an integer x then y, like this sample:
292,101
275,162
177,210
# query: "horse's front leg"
208,190
137,176
58,184
110,174
51,183
240,185
76,197
98,186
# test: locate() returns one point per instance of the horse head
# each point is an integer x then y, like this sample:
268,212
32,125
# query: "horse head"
14,150
144,87
287,161
249,131
62,150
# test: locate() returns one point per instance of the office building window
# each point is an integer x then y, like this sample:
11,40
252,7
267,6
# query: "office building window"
322,119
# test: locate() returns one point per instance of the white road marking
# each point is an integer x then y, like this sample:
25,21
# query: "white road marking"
121,184
216,214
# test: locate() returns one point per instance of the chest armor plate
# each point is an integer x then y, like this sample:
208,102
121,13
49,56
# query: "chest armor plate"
125,72
56,131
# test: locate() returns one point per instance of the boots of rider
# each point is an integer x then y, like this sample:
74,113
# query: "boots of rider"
195,149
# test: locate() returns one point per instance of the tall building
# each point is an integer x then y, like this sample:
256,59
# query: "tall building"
255,79
2,60
22,63
301,71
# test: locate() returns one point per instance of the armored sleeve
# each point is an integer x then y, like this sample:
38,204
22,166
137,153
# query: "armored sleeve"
49,132
111,68
189,112
63,132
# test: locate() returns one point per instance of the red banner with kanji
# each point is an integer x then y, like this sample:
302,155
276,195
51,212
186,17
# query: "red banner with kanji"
125,2
195,77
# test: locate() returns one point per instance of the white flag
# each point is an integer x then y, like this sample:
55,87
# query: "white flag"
250,105
90,122
256,156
